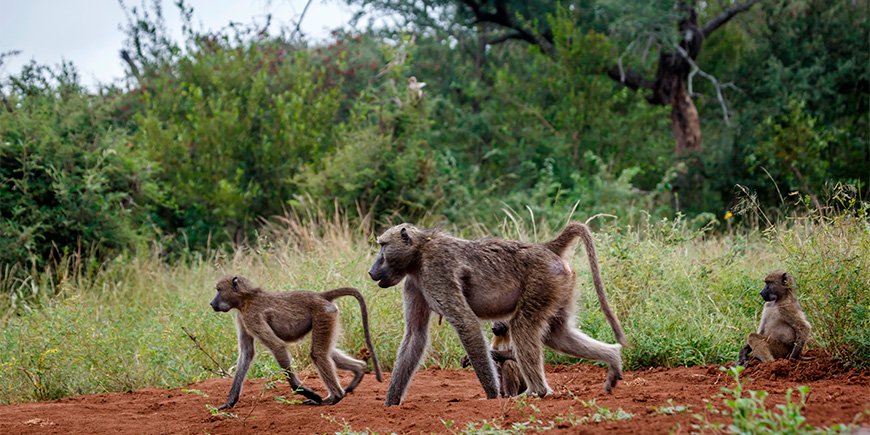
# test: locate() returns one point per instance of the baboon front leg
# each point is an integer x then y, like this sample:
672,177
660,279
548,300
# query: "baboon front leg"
322,344
566,338
743,358
413,343
246,354
476,347
344,362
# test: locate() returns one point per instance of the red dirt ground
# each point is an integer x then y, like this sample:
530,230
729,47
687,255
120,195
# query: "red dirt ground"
838,395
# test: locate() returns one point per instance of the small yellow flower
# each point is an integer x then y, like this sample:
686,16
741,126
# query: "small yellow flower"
728,215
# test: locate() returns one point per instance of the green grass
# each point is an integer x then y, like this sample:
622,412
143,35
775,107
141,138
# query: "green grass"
684,297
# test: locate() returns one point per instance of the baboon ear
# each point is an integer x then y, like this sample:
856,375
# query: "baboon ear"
785,278
405,236
236,283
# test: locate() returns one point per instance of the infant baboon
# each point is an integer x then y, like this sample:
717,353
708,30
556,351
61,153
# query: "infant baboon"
280,318
510,380
783,329
529,285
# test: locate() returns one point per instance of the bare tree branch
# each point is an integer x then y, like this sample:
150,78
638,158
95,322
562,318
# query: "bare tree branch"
726,16
503,18
134,69
716,84
630,78
298,30
505,37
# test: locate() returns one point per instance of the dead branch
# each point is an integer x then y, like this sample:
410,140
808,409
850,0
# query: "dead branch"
193,338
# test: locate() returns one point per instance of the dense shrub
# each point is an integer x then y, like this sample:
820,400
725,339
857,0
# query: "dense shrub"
69,179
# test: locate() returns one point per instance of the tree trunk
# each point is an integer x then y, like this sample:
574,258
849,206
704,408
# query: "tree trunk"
685,123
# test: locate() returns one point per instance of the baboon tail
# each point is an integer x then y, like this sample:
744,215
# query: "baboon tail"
560,245
350,291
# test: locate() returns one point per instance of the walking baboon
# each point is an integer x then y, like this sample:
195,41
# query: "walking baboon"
510,380
280,318
783,329
529,285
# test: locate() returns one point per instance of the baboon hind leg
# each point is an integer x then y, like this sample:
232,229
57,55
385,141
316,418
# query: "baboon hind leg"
760,348
344,362
323,333
283,358
566,338
767,348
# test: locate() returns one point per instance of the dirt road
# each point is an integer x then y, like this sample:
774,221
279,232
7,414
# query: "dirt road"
446,401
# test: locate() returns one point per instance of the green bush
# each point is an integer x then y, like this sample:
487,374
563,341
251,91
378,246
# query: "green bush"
69,179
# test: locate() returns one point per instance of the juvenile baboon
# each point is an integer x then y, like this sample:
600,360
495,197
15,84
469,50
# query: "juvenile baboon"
280,318
783,329
510,380
531,286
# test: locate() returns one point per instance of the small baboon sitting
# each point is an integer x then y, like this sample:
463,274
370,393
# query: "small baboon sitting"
510,379
280,318
784,329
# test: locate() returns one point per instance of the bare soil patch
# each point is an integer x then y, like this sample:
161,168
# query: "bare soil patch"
441,397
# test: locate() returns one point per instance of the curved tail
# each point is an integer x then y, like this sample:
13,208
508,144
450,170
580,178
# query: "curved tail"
350,291
562,246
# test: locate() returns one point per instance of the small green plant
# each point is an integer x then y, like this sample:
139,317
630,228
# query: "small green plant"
346,429
671,409
286,401
215,412
194,391
750,415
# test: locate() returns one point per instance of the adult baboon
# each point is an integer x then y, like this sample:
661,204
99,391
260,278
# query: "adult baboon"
510,380
280,318
783,329
529,285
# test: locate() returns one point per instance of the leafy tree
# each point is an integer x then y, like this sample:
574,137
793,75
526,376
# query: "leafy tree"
670,27
69,179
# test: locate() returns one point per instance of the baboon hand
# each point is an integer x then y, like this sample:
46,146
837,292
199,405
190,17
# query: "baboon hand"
228,405
465,362
501,356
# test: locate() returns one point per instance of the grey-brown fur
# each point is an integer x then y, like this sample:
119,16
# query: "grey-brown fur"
529,285
783,330
510,379
280,318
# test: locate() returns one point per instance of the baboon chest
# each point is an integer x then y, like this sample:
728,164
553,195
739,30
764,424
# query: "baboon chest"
775,326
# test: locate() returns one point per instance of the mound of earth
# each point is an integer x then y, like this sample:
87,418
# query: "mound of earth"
449,400
816,365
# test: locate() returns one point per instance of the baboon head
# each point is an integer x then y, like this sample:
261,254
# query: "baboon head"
231,290
499,328
398,255
777,285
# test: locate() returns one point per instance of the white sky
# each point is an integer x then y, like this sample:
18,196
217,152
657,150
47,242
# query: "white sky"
87,32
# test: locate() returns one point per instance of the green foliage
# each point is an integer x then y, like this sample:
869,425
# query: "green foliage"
831,261
69,179
804,118
229,131
750,415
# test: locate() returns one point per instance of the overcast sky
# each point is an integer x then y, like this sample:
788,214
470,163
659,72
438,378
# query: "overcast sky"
87,32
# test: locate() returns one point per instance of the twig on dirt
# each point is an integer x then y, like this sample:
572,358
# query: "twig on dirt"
192,337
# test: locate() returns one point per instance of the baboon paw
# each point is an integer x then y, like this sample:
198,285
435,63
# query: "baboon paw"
226,406
332,400
312,402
